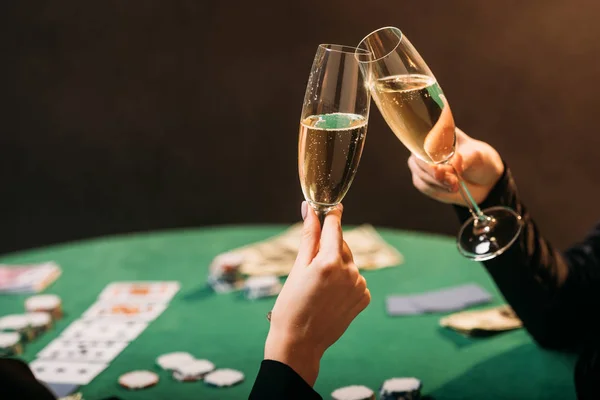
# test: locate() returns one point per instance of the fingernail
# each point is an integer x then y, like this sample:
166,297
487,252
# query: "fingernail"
304,209
340,207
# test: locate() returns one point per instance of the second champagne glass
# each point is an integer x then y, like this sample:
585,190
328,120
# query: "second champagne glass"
415,108
333,125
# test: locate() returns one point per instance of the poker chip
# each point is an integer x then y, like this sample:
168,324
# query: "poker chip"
138,379
224,377
170,361
262,286
39,321
49,303
355,392
17,323
401,389
194,370
10,344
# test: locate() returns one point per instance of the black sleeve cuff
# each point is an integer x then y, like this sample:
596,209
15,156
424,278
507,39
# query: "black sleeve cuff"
276,380
504,193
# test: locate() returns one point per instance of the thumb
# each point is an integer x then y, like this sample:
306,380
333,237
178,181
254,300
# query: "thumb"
311,236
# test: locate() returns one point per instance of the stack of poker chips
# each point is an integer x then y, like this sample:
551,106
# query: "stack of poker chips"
18,329
49,303
401,389
354,392
225,272
186,368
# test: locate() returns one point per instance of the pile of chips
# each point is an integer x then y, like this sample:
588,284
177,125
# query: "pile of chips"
18,329
184,368
226,275
391,389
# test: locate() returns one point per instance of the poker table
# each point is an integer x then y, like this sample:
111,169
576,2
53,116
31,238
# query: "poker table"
230,330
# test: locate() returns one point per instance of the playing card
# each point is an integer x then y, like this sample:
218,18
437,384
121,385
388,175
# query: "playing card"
65,372
401,306
494,319
104,330
125,309
61,390
450,299
154,291
74,350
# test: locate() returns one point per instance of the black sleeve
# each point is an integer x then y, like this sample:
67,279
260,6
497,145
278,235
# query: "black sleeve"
276,380
17,382
554,294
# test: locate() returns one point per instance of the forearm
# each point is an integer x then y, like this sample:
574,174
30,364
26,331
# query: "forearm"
535,279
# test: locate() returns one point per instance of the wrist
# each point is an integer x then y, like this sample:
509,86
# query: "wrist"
304,358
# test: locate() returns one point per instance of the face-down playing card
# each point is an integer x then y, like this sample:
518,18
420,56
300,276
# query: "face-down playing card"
444,300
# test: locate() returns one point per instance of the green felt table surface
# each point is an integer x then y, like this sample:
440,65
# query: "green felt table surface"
230,331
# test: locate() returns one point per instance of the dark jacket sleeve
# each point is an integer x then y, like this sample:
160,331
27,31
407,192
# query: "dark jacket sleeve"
276,380
553,293
17,382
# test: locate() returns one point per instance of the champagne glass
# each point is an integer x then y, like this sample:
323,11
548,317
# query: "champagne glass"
415,108
333,125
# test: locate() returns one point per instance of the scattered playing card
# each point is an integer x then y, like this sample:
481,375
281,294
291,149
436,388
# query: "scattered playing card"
31,278
65,372
155,291
276,255
77,351
61,390
454,298
444,300
104,329
125,310
495,319
401,306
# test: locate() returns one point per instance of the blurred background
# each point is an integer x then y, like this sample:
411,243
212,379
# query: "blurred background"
120,116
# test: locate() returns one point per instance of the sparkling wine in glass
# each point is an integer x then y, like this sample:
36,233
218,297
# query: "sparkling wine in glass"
417,111
333,125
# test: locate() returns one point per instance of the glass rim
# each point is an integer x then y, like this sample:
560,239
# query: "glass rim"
389,52
342,48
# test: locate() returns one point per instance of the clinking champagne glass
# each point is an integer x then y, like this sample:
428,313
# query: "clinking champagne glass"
333,125
415,108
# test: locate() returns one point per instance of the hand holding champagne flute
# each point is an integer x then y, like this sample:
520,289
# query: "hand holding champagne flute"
415,108
333,125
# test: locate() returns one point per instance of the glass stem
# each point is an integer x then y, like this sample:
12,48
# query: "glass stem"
467,198
321,213
482,224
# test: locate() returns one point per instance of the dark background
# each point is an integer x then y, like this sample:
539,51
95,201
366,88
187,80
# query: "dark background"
122,115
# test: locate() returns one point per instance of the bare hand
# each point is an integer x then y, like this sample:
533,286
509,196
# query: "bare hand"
321,297
477,162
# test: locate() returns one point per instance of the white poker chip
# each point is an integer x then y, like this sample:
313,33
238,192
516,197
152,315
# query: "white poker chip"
39,319
354,392
8,339
14,322
193,370
170,361
400,388
224,377
42,302
138,379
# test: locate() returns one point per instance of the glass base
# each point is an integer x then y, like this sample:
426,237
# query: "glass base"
484,240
